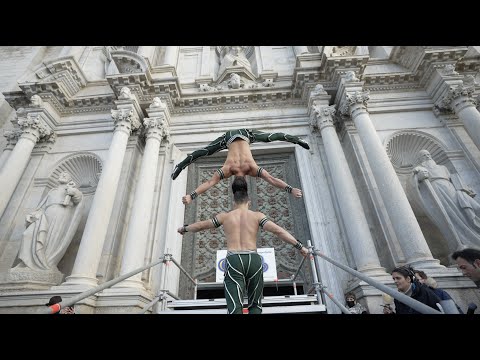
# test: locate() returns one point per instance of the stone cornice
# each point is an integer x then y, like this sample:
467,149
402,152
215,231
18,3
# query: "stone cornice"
146,88
232,107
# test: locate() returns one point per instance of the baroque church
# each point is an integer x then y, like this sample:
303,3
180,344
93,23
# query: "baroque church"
91,135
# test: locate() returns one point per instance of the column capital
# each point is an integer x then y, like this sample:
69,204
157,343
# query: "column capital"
457,98
355,103
155,127
34,128
12,136
323,116
125,120
318,97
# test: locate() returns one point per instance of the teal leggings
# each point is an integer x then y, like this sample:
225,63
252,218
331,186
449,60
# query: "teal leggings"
244,270
220,143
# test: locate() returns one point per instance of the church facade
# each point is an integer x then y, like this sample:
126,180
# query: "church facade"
91,135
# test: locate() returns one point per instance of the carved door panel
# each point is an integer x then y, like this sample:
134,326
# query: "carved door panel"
199,249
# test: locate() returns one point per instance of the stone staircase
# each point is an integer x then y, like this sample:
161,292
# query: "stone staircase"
285,304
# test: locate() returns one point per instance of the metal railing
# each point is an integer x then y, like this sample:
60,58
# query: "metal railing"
75,299
316,285
407,300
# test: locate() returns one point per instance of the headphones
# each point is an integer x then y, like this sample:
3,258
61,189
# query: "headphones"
409,272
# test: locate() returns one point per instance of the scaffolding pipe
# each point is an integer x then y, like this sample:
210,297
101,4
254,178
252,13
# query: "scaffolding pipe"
69,302
407,300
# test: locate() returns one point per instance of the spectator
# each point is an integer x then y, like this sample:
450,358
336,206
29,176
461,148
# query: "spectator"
58,299
407,284
353,306
432,284
468,260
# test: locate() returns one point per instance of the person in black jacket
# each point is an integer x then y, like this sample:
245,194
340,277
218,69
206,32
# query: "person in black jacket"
406,283
423,278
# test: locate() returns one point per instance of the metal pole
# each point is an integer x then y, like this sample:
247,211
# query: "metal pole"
195,290
407,300
57,307
181,268
314,274
338,303
161,296
298,270
151,303
294,288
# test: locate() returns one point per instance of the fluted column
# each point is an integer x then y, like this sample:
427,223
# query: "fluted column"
299,50
32,128
90,249
137,235
171,55
404,222
356,225
459,99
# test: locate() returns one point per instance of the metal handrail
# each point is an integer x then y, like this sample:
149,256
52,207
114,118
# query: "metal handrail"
407,300
163,259
414,304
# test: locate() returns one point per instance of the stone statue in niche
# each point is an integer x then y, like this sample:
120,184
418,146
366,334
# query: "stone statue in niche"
235,56
447,202
51,227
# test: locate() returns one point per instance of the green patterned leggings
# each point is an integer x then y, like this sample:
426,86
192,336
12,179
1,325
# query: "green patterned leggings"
222,142
243,270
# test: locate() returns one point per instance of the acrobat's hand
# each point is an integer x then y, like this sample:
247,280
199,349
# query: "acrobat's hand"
304,251
297,193
182,230
187,199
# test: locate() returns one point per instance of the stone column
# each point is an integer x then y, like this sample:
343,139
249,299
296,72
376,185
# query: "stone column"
356,225
459,99
32,129
404,222
171,55
137,235
12,138
299,50
126,120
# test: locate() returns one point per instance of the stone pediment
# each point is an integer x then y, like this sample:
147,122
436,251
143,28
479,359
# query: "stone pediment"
240,70
62,76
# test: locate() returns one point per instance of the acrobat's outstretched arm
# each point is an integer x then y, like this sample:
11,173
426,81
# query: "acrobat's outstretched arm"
187,199
265,175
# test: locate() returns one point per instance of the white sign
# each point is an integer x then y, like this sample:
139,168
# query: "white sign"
268,262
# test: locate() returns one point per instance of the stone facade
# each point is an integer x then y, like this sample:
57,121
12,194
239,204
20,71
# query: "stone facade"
119,118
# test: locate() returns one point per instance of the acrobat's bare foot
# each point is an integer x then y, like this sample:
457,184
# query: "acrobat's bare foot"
297,193
187,199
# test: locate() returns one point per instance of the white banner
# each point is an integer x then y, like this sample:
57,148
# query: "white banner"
268,262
